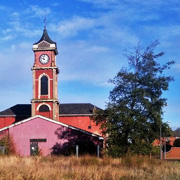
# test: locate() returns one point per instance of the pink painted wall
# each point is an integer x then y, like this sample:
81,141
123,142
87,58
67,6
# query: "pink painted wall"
38,128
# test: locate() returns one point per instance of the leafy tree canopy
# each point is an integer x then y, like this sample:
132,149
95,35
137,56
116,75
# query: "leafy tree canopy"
176,133
134,113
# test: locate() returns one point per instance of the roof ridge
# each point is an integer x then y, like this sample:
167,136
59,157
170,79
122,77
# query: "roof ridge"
75,103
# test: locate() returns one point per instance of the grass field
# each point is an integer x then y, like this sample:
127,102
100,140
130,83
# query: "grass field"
86,168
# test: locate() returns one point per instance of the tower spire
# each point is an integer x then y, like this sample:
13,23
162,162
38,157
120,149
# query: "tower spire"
45,23
45,37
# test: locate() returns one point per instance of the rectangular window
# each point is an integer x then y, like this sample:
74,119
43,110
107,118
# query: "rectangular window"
38,140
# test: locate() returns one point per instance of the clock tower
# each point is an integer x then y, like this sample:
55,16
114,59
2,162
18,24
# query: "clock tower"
45,73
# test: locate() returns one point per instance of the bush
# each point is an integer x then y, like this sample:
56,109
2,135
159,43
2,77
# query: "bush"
7,142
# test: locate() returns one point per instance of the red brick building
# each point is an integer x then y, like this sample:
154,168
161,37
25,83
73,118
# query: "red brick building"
77,115
45,94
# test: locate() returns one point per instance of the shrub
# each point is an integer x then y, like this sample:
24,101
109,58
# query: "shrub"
7,142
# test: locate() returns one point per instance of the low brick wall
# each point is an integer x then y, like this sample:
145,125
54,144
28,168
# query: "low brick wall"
174,153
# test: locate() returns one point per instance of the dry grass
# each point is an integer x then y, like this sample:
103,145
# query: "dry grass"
86,168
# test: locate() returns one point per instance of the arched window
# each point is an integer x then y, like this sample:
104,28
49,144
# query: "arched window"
44,85
44,108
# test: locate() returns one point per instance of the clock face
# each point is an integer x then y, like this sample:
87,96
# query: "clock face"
44,59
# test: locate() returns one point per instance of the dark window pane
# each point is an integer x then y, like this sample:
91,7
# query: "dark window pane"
44,85
38,140
44,108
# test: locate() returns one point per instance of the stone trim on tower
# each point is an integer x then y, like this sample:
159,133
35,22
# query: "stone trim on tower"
39,85
43,104
45,51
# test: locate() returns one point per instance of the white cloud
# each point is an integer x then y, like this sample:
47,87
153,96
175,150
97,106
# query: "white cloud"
85,61
23,28
7,38
55,4
102,29
72,26
148,4
97,49
13,47
176,67
15,15
100,1
131,10
25,45
165,32
103,3
38,11
5,31
106,84
117,35
3,8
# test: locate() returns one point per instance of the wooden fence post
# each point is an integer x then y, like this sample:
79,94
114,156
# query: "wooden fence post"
77,151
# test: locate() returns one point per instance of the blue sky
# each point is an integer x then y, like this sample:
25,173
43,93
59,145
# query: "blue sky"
91,36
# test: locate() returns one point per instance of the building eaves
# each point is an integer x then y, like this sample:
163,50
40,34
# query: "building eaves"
53,121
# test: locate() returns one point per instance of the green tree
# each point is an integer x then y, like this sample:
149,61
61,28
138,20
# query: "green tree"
176,133
133,116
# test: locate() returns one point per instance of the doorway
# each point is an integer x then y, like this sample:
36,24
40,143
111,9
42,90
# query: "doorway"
34,149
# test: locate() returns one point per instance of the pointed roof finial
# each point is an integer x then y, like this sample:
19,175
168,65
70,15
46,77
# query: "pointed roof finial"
45,23
45,37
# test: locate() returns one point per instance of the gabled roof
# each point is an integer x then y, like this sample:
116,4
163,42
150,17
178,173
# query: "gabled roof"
64,110
53,121
17,110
